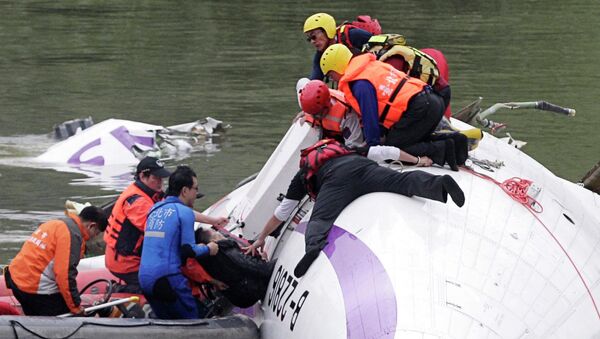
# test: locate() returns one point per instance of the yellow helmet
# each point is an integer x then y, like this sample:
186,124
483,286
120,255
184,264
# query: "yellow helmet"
335,58
321,20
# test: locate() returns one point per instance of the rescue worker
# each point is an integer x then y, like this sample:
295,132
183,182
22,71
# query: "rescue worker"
364,35
126,224
427,64
169,242
327,108
392,104
321,32
125,232
43,274
334,177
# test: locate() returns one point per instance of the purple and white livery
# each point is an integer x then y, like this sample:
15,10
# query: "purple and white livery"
400,267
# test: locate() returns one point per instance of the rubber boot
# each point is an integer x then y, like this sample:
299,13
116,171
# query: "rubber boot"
305,262
452,188
451,154
439,152
461,148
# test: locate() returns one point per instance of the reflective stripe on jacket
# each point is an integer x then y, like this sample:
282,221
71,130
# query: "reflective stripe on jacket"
47,262
394,88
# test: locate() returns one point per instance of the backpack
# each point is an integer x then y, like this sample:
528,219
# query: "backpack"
421,65
313,157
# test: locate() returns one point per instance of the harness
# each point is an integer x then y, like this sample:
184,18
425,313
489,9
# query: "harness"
343,37
313,158
421,65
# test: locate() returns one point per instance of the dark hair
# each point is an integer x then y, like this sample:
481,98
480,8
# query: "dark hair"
202,236
94,214
182,177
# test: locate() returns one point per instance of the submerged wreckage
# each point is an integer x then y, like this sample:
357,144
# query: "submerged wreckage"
117,142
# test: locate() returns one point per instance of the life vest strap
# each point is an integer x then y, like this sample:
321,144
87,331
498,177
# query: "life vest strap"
387,107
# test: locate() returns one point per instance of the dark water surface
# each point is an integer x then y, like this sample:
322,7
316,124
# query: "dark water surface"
170,62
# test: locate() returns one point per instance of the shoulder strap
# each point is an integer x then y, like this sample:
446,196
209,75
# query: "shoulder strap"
386,109
70,223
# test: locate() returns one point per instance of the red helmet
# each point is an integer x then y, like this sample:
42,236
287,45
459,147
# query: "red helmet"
315,97
368,24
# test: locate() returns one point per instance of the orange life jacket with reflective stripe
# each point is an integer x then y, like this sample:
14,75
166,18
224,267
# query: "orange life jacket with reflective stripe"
331,122
313,157
394,88
121,234
47,262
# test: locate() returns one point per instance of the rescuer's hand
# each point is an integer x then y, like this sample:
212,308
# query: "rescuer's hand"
213,248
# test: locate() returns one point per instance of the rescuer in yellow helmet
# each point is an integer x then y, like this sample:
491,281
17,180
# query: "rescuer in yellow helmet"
392,104
322,32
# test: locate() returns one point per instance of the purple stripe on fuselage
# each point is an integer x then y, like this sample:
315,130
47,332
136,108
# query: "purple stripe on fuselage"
369,297
76,158
128,140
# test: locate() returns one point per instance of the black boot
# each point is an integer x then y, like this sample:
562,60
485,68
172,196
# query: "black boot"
305,262
461,147
452,188
438,152
451,155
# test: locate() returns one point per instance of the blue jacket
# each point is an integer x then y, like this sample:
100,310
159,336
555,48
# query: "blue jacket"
170,225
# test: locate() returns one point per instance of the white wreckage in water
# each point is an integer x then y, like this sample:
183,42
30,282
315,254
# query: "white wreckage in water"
124,142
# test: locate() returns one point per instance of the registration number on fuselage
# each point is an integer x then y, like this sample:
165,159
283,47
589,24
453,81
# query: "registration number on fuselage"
282,301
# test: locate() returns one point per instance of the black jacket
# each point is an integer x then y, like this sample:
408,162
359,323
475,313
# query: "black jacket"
246,276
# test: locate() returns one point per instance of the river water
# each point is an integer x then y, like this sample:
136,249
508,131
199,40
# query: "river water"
170,62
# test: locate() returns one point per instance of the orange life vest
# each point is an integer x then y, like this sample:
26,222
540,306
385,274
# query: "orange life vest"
313,157
394,88
331,122
126,235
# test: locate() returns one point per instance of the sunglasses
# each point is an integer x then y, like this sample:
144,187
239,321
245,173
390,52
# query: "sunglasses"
313,36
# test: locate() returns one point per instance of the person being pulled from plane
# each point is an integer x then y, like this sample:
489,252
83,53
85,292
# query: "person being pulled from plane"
334,176
245,276
392,104
125,232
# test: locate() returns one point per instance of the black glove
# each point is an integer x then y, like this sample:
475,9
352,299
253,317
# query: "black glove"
187,252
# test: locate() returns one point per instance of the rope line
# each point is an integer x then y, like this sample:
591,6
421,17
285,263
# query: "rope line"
517,188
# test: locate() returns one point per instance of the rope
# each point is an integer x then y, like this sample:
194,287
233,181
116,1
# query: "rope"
517,188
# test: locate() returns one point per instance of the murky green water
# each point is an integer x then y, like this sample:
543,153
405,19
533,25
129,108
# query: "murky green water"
169,62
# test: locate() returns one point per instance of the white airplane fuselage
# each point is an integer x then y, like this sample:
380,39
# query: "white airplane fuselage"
407,267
